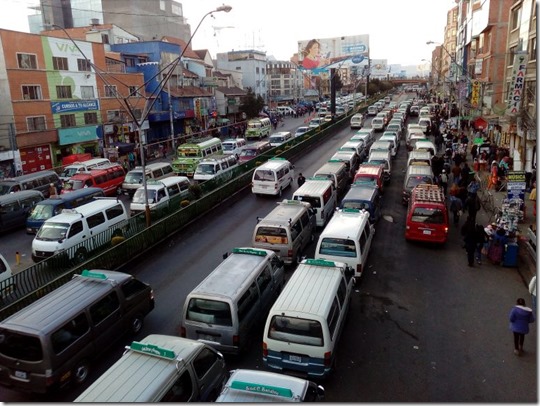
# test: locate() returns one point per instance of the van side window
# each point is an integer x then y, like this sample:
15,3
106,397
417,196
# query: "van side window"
264,279
326,196
95,220
114,212
247,302
363,239
342,292
69,333
333,317
304,220
132,287
104,308
204,362
156,173
167,169
296,229
181,391
173,190
75,229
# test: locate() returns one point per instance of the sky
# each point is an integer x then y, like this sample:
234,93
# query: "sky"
398,29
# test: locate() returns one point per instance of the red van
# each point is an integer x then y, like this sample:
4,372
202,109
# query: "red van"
370,173
109,179
427,215
253,150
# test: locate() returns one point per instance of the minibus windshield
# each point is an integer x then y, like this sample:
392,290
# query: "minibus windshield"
339,247
42,212
264,175
209,311
20,346
296,330
50,231
427,215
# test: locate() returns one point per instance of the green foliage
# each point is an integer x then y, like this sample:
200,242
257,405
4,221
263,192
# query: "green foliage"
195,191
251,104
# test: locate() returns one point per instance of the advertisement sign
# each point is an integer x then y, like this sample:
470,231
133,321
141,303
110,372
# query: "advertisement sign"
475,93
379,68
75,105
318,55
77,135
516,184
517,84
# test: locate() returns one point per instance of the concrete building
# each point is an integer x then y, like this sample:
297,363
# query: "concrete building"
56,105
286,82
252,64
148,19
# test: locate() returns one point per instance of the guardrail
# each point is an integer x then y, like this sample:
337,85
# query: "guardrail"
30,284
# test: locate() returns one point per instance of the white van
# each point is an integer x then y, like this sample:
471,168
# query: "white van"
214,166
160,193
321,194
233,146
253,386
337,172
372,110
76,232
82,167
347,238
287,230
281,137
350,158
134,178
303,327
225,308
378,123
272,177
382,157
161,368
357,120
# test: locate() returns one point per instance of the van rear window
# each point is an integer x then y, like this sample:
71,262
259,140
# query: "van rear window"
296,330
339,247
264,175
20,346
313,200
209,311
416,180
427,215
271,235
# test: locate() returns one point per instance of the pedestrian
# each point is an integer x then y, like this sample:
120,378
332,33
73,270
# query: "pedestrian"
468,231
455,207
532,197
53,192
131,159
532,291
301,180
493,176
444,181
481,240
520,318
472,205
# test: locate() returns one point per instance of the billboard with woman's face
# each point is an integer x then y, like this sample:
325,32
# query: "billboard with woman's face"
317,55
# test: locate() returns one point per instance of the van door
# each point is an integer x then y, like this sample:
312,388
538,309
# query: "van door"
249,310
11,215
365,243
105,317
266,289
209,368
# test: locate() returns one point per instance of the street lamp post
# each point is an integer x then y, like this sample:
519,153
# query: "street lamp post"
139,121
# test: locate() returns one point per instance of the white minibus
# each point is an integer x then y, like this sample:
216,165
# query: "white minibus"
272,177
321,194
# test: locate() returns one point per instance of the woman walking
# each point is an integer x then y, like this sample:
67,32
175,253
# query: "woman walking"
520,317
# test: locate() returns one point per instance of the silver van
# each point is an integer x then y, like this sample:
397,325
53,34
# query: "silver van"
287,230
337,172
16,207
161,368
40,181
223,310
54,340
416,174
159,193
155,171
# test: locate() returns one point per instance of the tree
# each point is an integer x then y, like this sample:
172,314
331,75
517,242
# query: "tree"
251,104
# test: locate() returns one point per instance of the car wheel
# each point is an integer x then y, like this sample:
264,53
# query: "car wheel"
280,192
81,372
80,255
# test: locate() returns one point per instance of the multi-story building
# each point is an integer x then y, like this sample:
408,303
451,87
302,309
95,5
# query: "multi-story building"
286,82
56,103
148,19
252,64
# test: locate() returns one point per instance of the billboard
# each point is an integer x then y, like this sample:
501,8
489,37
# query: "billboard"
379,68
319,55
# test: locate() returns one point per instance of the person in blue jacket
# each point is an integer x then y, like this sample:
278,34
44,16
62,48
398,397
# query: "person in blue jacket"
520,317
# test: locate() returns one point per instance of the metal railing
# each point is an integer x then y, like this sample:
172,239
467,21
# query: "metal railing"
113,251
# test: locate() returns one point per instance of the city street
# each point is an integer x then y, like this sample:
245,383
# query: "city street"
423,327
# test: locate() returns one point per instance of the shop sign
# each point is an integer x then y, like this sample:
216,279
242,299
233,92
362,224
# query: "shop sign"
516,184
77,135
74,105
517,84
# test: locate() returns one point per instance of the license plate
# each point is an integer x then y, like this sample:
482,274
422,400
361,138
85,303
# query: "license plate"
295,358
20,374
428,232
206,337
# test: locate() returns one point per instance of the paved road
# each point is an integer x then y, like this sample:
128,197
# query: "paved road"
423,327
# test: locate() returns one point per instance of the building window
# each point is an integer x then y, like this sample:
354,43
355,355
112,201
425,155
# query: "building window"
90,118
36,123
27,61
112,114
87,92
257,70
83,65
133,90
516,17
60,63
131,62
532,50
67,120
105,38
31,92
162,5
176,9
63,92
110,91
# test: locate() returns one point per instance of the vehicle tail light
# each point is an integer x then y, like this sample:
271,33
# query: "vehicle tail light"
289,253
359,269
236,340
446,230
265,349
328,358
151,294
182,331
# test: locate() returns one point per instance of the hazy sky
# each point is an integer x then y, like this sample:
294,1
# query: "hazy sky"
397,29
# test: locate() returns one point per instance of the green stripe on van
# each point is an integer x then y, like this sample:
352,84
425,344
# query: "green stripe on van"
90,274
320,262
152,350
266,389
249,251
